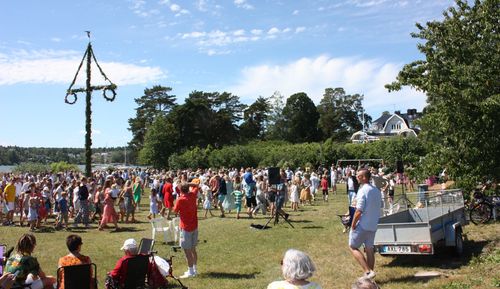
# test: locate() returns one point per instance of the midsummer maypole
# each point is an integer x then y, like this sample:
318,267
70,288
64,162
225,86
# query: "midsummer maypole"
111,87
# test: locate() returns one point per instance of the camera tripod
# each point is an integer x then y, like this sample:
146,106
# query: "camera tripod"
276,215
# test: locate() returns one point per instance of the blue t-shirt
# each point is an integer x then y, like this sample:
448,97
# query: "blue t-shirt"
63,205
248,178
368,201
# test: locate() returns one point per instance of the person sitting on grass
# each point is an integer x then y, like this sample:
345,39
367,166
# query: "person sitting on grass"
27,267
296,267
74,244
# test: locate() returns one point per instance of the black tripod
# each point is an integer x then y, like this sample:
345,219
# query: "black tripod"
277,213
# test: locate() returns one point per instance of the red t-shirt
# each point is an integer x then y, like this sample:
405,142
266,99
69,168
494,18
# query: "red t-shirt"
119,273
324,184
187,209
168,198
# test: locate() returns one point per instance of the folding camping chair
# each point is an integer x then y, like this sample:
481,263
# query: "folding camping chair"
2,252
82,276
137,270
146,246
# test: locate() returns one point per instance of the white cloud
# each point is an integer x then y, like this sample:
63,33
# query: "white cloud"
194,34
366,3
243,4
273,30
59,66
286,30
239,32
295,12
175,8
300,29
313,75
201,5
55,39
256,31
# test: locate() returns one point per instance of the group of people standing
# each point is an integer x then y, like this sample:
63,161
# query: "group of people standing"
104,198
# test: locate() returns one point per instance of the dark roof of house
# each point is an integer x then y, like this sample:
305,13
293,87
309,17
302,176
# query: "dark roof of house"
407,117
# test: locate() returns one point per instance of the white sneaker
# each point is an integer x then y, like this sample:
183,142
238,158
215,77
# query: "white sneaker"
370,275
187,274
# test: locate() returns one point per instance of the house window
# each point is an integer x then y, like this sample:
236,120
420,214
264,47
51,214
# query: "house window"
396,126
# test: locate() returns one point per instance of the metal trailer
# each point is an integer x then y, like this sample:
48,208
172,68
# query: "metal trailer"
435,217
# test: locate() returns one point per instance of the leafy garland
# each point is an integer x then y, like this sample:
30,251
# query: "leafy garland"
111,87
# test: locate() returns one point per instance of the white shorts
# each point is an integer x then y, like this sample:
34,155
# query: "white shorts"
188,240
10,206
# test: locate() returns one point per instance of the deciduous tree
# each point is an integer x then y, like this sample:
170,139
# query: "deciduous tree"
460,74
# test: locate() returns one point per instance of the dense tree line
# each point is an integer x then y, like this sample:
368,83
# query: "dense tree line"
13,155
162,127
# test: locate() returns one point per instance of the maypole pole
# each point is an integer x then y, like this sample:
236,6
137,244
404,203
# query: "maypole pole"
89,55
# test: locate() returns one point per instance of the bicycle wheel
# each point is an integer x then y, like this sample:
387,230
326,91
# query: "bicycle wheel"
481,213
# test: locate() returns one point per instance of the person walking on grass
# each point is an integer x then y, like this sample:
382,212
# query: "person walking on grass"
186,207
153,204
207,199
364,223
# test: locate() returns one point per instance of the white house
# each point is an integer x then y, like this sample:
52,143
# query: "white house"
390,125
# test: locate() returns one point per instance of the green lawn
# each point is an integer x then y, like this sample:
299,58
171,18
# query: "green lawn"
233,255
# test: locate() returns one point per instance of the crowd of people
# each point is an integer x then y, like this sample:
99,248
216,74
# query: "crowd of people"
114,196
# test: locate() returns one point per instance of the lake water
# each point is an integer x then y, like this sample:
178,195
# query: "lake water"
8,169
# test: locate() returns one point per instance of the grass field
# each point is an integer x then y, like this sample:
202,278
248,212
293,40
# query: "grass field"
234,255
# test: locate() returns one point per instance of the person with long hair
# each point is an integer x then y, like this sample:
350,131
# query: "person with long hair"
109,213
26,266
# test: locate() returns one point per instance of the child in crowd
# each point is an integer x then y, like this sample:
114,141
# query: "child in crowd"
153,203
121,206
114,191
324,187
33,212
294,193
207,202
238,196
62,205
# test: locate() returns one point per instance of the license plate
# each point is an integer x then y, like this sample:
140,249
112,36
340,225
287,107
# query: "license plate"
396,249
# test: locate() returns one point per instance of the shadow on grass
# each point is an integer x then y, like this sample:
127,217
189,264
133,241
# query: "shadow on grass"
126,229
225,275
313,227
407,279
443,257
44,229
299,221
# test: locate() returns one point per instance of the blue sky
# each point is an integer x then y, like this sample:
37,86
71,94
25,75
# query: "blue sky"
247,47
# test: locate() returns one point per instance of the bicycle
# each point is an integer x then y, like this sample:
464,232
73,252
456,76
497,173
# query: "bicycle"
484,208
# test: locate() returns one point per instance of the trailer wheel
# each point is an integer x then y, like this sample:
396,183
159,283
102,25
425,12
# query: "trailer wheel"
459,242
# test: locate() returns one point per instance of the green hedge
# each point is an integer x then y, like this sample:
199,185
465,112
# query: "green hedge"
283,154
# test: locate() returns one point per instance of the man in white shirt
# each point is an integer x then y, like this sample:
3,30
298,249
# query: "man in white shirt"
364,223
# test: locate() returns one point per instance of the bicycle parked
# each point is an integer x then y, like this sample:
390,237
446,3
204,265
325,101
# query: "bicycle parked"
483,208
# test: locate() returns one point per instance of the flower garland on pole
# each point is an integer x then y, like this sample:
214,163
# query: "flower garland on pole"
71,98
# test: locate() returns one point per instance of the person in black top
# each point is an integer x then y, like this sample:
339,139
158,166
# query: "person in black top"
83,195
